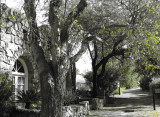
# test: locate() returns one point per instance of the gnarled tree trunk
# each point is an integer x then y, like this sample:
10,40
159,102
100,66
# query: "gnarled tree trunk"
52,74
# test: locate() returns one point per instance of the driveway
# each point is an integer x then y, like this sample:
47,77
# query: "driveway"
132,103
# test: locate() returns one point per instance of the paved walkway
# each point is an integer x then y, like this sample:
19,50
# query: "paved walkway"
132,103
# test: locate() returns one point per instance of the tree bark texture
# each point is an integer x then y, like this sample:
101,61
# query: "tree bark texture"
101,62
94,82
73,76
52,74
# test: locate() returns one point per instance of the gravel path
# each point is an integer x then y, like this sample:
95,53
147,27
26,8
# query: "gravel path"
132,103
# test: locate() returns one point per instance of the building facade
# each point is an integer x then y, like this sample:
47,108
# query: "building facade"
14,58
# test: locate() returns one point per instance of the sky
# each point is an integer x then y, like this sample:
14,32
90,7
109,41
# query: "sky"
83,65
17,4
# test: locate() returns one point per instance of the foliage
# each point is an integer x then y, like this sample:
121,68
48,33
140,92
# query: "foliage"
106,23
137,20
84,93
69,98
28,97
155,84
130,79
5,95
117,70
144,37
89,78
144,83
108,81
146,72
116,91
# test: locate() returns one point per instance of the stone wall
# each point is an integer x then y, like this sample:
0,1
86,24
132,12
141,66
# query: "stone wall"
12,43
11,35
80,110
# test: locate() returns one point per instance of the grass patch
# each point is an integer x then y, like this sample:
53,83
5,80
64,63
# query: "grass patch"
116,91
149,114
124,88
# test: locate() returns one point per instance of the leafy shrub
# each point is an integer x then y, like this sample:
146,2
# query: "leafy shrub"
89,78
129,77
107,82
5,94
129,83
28,97
84,93
69,98
144,83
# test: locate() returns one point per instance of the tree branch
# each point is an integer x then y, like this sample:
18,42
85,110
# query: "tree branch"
102,50
95,50
122,37
90,52
102,71
30,11
110,55
76,57
54,19
54,23
65,8
71,17
110,26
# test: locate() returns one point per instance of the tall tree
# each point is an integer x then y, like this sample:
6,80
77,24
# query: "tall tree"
137,16
109,39
100,57
52,74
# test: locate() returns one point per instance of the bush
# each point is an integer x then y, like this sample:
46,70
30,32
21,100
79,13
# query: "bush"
130,79
5,94
28,97
129,83
84,93
89,78
69,98
144,83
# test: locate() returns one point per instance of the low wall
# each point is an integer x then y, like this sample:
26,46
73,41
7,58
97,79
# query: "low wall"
80,110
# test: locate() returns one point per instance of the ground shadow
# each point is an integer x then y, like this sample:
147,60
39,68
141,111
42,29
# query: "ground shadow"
130,104
134,99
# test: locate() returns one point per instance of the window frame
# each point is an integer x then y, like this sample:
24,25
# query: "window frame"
16,75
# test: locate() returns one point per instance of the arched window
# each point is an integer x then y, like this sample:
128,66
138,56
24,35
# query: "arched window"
19,77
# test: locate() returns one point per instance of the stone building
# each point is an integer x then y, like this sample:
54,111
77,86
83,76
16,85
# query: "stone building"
14,58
